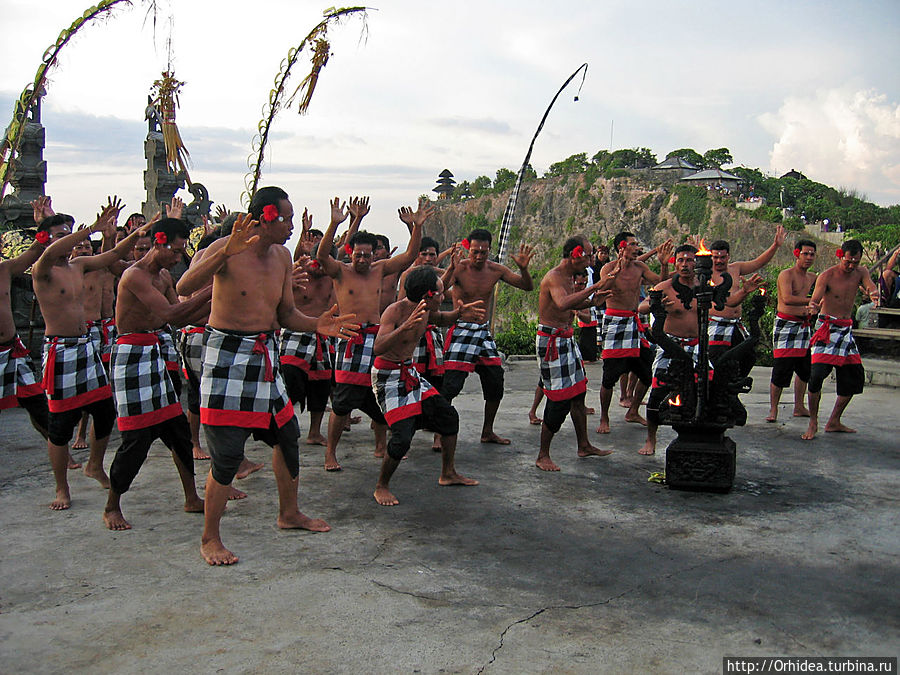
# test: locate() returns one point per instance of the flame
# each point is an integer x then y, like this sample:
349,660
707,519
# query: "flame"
762,291
677,400
701,249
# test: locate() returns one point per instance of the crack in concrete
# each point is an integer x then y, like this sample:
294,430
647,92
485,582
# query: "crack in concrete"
409,593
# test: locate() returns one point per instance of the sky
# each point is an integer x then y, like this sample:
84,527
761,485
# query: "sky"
423,86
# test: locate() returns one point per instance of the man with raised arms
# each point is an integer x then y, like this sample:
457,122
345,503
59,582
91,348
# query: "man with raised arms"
626,348
563,379
791,332
832,343
358,286
241,390
307,359
681,326
146,400
725,327
74,377
408,400
470,346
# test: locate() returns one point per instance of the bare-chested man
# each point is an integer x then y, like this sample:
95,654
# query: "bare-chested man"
146,401
725,327
307,359
791,332
358,286
241,389
681,326
563,379
408,400
832,342
625,345
74,377
470,346
18,385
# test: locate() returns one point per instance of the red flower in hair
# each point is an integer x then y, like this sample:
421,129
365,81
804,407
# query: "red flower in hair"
578,252
672,260
796,252
161,238
430,294
348,249
42,237
314,264
839,253
465,244
623,244
270,212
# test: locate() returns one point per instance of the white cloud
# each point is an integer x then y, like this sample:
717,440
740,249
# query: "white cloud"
840,137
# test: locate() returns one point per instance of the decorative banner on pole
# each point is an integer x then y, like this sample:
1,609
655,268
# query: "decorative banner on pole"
514,195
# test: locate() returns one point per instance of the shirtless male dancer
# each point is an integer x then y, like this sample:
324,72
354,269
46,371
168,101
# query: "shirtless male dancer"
791,332
470,346
832,342
146,402
307,359
681,325
563,379
241,390
725,327
358,286
74,377
626,348
407,399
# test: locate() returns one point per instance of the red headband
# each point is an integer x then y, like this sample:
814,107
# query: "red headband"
161,238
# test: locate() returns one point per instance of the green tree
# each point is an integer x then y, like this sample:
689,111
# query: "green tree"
505,180
717,158
481,185
574,164
688,155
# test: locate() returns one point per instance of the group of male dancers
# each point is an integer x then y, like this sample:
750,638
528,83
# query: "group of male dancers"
262,330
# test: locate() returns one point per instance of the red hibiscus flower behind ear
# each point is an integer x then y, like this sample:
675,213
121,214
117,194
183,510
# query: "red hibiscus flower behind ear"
161,238
42,237
465,244
578,252
270,213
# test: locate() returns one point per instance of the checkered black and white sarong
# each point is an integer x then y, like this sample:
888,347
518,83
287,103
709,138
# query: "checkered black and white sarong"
623,334
353,357
399,389
240,385
74,375
661,362
17,379
169,350
722,330
192,351
428,356
562,369
833,342
103,333
310,352
141,384
790,336
469,345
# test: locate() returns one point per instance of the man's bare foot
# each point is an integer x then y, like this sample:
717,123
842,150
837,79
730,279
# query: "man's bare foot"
810,431
115,520
546,464
625,402
246,468
604,426
773,417
80,444
198,453
589,451
215,553
62,501
589,411
494,438
234,493
837,427
316,439
384,497
635,419
73,464
98,475
298,521
379,452
647,448
534,419
801,412
194,505
331,463
456,479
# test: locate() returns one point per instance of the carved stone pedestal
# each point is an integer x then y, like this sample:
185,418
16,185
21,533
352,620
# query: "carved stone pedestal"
701,459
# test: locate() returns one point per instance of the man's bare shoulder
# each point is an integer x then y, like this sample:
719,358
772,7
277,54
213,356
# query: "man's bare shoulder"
664,285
